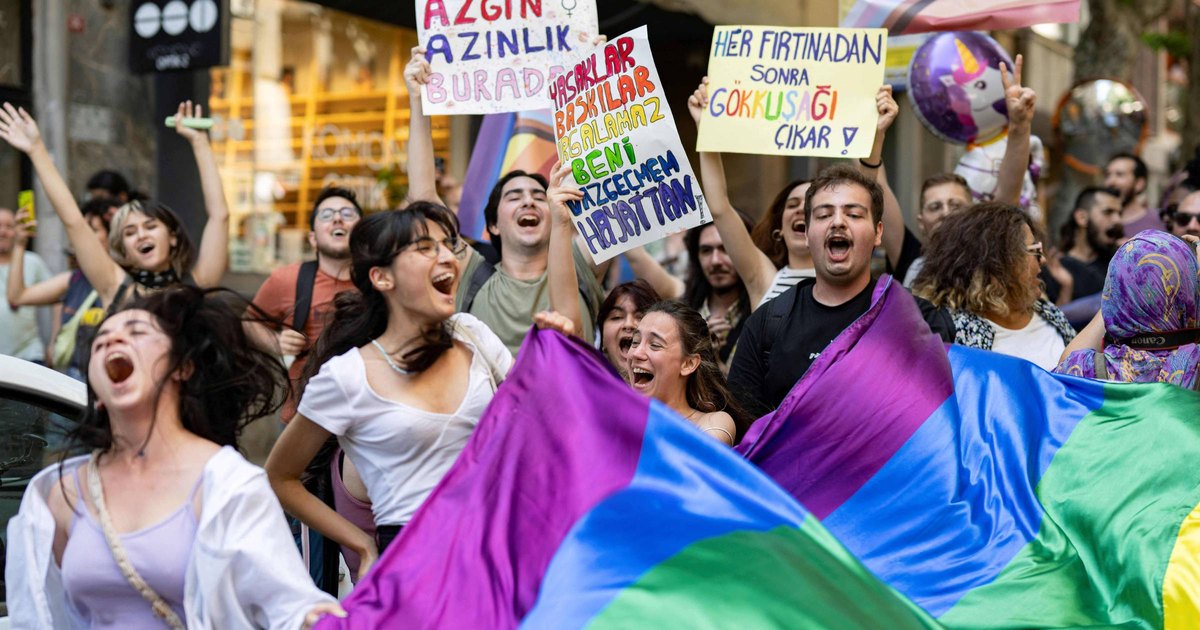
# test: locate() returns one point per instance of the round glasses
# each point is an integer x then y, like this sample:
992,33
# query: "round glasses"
325,215
427,246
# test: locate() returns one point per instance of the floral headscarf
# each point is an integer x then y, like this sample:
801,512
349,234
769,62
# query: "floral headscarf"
1151,287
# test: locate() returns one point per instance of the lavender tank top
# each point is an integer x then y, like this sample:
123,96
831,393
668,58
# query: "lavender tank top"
94,583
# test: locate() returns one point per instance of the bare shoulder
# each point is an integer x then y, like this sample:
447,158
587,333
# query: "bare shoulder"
719,425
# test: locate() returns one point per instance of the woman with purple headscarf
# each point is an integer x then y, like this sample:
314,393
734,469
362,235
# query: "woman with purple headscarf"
1148,329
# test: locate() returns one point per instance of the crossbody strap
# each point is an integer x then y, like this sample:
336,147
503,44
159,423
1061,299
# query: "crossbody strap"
161,608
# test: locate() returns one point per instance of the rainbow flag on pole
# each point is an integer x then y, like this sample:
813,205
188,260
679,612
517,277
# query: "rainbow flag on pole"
506,142
578,502
987,491
905,17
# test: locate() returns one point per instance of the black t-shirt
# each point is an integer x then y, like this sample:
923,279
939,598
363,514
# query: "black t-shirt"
1088,276
765,369
910,250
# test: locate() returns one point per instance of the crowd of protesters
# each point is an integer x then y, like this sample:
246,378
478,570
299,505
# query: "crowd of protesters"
401,330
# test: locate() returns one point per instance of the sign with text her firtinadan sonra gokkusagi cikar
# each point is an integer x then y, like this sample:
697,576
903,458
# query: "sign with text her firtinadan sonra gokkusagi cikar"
793,91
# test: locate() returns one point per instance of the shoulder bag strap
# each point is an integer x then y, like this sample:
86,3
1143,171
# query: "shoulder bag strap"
161,608
1101,365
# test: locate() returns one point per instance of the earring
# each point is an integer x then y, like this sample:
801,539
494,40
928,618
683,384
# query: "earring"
776,235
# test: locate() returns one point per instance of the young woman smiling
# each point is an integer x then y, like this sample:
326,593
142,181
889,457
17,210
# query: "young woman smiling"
165,523
397,376
673,359
148,248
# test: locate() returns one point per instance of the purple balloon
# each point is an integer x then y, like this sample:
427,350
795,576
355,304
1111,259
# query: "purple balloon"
955,87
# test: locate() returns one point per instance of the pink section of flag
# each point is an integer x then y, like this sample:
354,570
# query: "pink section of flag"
903,17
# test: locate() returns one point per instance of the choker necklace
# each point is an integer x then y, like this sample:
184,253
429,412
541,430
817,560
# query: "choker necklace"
390,362
155,279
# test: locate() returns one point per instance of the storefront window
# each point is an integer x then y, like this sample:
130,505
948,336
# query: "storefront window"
312,97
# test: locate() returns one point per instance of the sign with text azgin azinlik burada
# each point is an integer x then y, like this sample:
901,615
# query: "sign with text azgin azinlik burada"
178,35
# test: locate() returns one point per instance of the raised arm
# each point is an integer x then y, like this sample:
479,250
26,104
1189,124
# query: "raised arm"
295,449
667,286
893,218
753,266
422,174
47,292
1015,164
18,129
213,258
560,267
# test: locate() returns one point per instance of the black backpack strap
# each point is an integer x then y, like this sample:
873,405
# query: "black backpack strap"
777,311
482,272
304,293
120,295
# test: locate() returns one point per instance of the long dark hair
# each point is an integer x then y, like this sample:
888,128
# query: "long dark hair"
230,382
707,390
764,231
696,289
360,316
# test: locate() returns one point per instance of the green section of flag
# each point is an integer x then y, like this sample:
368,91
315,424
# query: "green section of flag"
786,577
1115,496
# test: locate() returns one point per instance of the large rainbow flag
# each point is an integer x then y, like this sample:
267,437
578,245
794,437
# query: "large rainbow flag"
905,17
988,491
578,503
506,142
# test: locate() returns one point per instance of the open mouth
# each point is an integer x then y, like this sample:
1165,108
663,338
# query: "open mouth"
145,248
838,247
119,367
798,227
640,377
444,283
624,343
339,232
529,220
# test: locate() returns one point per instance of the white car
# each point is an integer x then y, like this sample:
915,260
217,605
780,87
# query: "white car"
37,405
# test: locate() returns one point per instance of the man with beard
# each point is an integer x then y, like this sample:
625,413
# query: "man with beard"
843,210
301,294
714,288
1127,174
1088,242
1184,219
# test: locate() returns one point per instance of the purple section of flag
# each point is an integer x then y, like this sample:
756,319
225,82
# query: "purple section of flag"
543,455
483,171
823,444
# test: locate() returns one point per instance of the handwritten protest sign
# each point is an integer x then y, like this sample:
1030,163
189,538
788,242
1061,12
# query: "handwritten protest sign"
614,127
492,56
793,91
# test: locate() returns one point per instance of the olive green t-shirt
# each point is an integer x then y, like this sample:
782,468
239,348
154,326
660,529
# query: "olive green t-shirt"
507,305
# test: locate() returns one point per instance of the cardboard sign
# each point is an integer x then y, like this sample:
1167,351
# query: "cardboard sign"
491,56
793,91
614,127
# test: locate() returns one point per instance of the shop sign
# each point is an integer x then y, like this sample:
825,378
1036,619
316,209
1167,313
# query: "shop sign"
177,35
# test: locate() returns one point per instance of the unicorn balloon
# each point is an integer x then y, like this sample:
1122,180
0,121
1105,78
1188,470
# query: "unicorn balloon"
955,87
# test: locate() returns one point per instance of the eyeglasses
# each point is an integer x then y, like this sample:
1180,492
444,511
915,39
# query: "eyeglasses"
1183,219
325,215
1036,251
428,247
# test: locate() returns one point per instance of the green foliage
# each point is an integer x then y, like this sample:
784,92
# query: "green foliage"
1176,43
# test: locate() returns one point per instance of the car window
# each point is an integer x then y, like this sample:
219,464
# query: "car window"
32,428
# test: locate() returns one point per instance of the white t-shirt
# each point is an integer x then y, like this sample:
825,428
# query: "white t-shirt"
18,329
785,279
401,452
1037,342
